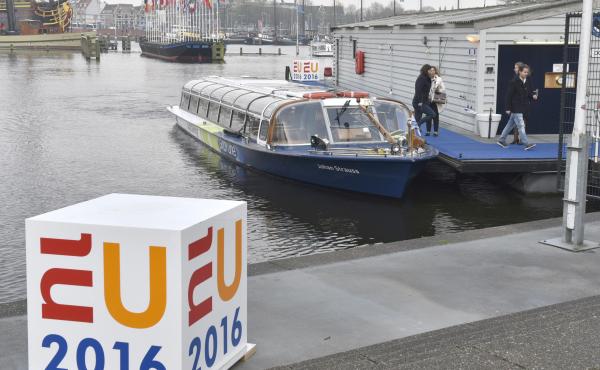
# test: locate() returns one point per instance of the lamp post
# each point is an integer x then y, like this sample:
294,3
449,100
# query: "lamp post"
578,152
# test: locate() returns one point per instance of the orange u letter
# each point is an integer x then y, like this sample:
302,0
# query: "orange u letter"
158,288
226,292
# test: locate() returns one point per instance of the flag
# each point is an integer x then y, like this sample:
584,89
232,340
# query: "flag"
208,4
192,6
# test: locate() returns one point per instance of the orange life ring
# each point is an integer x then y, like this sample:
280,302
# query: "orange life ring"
319,95
353,94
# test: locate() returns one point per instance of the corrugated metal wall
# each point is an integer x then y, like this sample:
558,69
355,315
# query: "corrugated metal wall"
395,55
393,59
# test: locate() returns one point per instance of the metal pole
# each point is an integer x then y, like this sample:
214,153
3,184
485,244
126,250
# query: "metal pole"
577,152
297,30
394,7
361,10
275,20
303,20
334,14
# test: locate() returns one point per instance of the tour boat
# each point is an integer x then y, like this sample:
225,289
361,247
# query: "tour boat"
321,46
338,139
184,34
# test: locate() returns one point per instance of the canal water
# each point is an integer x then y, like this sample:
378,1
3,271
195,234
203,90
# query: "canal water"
71,130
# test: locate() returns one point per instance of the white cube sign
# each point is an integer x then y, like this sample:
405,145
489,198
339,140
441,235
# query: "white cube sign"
305,70
137,282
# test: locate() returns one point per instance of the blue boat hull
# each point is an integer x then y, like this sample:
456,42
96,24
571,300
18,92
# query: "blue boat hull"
378,175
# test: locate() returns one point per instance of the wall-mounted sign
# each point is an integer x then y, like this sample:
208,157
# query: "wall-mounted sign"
555,80
305,70
595,53
137,282
558,67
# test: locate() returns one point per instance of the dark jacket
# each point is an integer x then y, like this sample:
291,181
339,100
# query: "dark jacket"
519,95
422,87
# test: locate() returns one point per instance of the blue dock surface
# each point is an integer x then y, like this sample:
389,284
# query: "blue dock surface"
469,155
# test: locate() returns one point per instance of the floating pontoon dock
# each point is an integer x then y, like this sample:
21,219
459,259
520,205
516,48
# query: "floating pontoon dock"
468,155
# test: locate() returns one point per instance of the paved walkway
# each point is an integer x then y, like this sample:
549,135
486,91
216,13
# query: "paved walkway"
562,336
309,307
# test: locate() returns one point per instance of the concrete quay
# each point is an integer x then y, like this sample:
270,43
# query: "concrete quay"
489,298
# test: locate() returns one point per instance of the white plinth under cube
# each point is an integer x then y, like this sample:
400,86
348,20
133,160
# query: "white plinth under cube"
138,282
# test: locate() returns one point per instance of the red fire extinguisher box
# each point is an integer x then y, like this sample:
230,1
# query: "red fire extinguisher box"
359,66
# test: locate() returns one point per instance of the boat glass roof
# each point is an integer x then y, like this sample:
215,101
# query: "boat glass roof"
218,94
200,85
257,95
271,103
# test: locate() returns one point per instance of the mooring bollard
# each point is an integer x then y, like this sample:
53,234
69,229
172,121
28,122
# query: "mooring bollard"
278,51
241,52
132,281
259,51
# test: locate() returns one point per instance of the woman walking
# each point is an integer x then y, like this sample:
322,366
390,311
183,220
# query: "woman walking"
421,102
437,96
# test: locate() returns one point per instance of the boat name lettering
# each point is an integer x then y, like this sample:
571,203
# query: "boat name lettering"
227,148
338,169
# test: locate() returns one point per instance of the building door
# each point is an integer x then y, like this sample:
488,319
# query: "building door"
543,61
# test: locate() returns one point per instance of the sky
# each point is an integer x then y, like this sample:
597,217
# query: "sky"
406,4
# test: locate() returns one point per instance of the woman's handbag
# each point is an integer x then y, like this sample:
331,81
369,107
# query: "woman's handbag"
440,98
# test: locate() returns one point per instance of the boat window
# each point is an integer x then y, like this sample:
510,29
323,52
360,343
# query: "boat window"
352,124
237,121
185,101
182,99
393,116
252,127
213,112
225,117
203,107
296,123
264,129
193,104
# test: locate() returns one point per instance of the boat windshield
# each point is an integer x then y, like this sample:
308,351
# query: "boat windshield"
352,124
296,123
393,116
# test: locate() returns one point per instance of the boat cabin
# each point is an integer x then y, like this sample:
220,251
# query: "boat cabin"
282,113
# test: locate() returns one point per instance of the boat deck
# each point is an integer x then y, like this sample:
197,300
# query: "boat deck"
470,154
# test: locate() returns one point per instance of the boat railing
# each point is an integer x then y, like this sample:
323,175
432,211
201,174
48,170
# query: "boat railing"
366,152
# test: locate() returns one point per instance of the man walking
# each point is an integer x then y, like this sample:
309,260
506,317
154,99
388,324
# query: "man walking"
516,131
518,100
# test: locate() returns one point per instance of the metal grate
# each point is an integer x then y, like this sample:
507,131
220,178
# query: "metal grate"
568,96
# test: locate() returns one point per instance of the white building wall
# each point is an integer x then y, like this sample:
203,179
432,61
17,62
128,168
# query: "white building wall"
547,30
393,59
92,13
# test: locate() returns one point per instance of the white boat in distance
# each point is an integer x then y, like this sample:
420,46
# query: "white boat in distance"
321,46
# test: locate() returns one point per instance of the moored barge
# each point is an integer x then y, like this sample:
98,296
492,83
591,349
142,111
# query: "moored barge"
338,139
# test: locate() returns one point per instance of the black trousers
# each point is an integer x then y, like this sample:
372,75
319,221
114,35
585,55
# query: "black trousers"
436,119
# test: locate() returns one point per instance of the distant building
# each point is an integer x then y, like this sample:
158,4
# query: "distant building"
124,17
87,12
475,49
